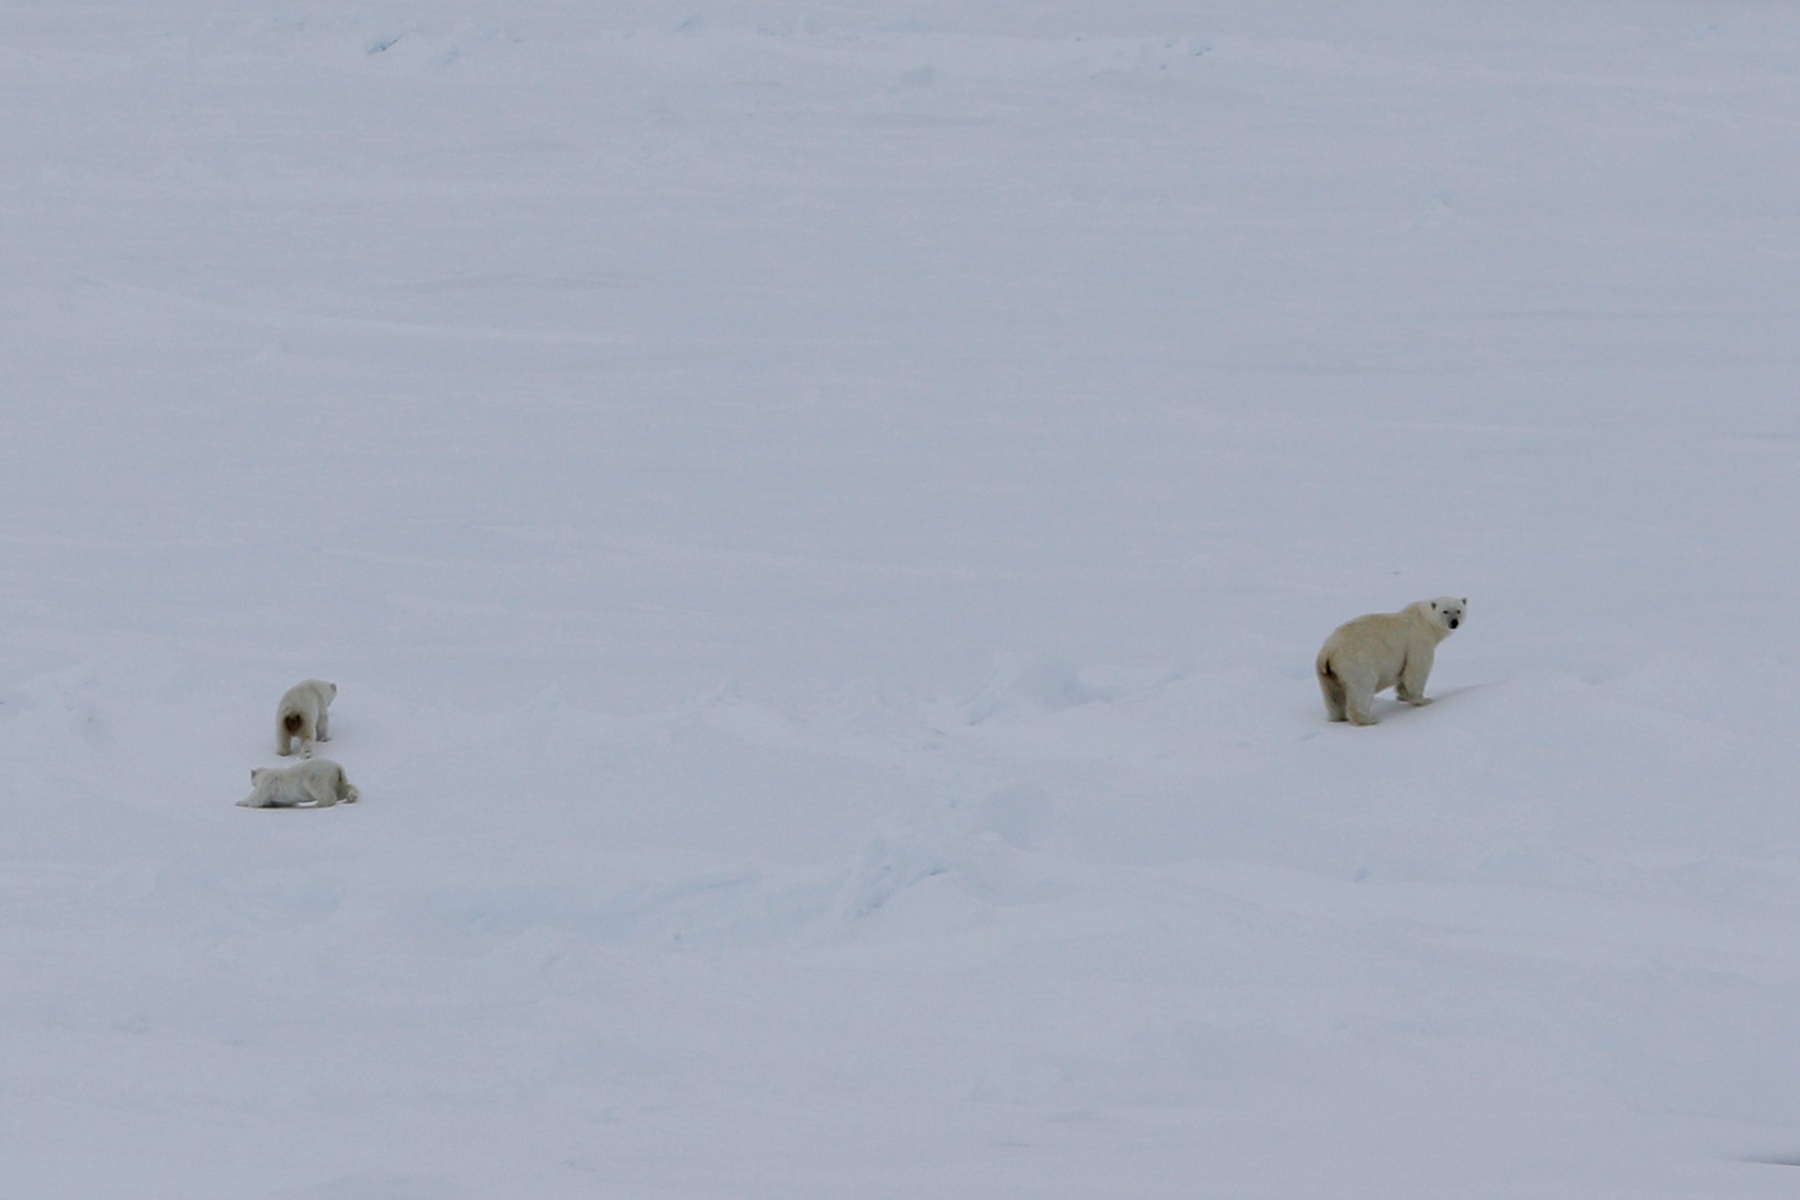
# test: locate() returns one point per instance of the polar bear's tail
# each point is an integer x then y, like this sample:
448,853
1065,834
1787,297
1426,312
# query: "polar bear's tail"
293,722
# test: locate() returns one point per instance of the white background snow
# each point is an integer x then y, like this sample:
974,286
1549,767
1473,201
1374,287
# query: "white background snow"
821,517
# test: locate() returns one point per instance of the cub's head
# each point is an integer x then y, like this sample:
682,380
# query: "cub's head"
1449,610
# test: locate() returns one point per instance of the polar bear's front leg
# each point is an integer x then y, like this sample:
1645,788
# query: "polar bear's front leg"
1410,687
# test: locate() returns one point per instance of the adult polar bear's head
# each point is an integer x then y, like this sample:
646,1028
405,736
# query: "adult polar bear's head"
1448,611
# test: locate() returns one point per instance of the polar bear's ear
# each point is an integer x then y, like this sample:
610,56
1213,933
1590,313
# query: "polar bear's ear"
1434,606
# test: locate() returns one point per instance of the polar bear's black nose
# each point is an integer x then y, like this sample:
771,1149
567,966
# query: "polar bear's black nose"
1453,622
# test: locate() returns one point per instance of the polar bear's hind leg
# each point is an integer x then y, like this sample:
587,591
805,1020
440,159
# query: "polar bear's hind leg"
1333,690
1359,697
1349,694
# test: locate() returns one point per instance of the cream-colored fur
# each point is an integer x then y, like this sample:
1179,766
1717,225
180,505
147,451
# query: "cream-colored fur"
1381,651
318,782
304,714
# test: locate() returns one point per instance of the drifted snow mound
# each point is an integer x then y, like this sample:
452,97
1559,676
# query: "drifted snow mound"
1046,682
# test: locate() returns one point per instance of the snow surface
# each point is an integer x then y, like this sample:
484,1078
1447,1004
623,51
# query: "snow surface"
821,516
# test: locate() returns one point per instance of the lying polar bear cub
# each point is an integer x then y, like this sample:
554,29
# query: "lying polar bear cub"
1381,651
318,782
303,713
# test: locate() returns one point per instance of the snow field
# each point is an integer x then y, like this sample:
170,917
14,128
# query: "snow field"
821,519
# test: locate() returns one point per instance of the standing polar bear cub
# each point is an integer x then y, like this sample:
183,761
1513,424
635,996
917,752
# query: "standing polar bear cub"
318,782
1381,651
303,714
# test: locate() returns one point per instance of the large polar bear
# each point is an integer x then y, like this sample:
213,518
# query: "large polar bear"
303,713
318,782
1381,651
